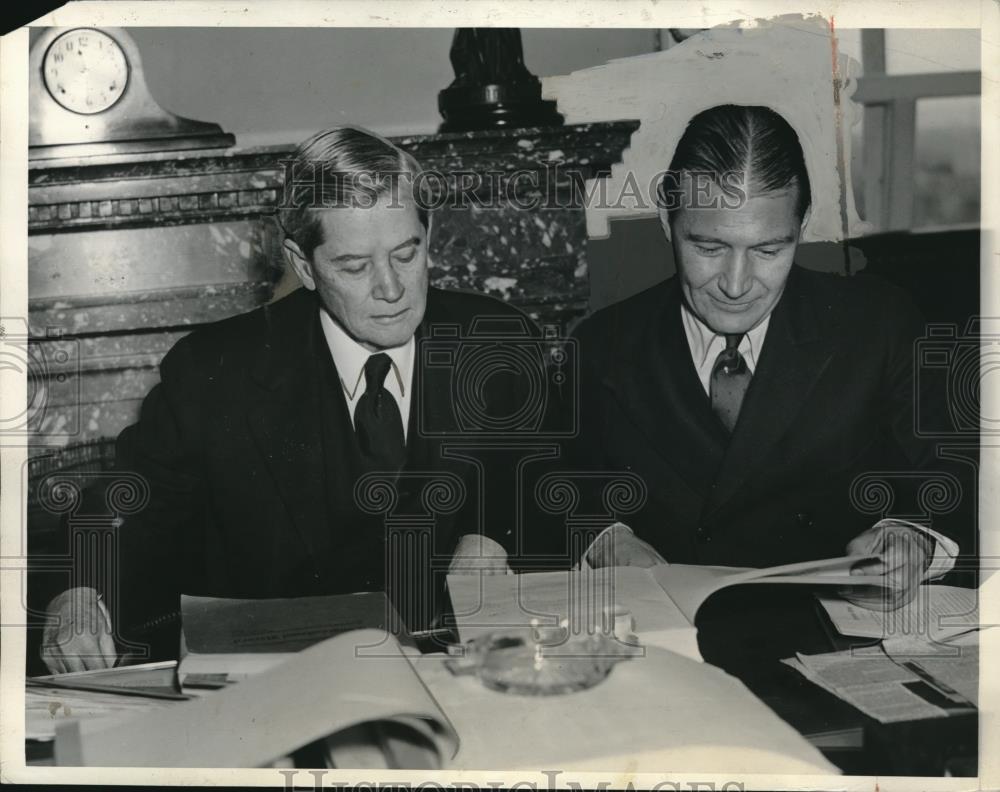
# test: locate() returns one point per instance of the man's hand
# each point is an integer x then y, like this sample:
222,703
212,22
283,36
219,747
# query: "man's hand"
618,546
905,553
77,635
477,554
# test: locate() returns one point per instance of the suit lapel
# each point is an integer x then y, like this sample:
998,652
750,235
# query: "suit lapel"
285,417
661,393
797,349
420,447
308,443
432,417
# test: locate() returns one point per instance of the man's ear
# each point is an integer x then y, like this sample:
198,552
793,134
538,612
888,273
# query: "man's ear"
664,222
805,219
298,262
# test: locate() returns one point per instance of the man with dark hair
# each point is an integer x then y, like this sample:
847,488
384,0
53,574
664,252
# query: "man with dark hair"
750,393
257,440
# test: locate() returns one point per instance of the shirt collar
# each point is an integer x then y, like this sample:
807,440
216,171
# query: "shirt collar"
700,338
350,357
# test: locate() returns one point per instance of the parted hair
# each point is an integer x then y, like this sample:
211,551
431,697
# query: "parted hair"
752,140
339,167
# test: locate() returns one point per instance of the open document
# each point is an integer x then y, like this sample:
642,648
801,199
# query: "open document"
689,585
360,703
388,710
892,683
662,600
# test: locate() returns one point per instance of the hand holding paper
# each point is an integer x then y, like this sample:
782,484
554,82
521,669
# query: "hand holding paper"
904,554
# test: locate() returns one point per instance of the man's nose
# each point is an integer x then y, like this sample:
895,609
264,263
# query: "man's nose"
388,286
736,278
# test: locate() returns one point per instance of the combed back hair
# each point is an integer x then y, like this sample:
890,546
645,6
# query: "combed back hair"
754,141
341,167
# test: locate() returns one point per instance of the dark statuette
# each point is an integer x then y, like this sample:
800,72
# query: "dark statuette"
492,86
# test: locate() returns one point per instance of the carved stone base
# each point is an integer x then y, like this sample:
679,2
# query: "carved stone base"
496,106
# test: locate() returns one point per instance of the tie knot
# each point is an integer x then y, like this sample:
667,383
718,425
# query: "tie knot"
733,341
376,369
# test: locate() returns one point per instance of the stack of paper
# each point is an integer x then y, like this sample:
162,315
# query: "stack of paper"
892,689
936,613
926,666
50,700
357,691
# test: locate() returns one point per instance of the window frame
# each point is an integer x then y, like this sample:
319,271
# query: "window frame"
890,125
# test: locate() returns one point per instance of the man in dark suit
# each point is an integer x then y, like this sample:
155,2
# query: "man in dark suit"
751,394
281,446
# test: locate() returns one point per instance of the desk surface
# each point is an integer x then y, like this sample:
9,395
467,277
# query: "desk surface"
744,631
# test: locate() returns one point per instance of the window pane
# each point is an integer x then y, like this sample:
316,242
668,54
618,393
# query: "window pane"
946,182
932,50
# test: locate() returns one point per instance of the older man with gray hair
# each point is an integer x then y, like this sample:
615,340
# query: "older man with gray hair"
255,439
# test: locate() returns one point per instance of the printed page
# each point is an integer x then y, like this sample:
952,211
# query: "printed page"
952,668
881,686
321,691
936,613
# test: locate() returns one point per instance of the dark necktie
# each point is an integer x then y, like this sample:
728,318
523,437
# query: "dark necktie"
377,419
729,383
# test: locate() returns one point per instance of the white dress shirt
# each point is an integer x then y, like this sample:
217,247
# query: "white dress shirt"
705,346
350,358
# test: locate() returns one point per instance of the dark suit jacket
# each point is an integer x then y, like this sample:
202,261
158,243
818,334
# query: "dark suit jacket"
252,467
832,399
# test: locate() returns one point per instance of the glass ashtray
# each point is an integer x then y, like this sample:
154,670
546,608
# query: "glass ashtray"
540,661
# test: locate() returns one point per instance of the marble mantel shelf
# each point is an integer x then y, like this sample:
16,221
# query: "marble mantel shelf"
182,187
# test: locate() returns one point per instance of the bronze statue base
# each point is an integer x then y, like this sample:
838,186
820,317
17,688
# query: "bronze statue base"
467,109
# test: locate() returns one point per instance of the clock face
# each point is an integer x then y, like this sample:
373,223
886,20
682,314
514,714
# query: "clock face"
85,71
